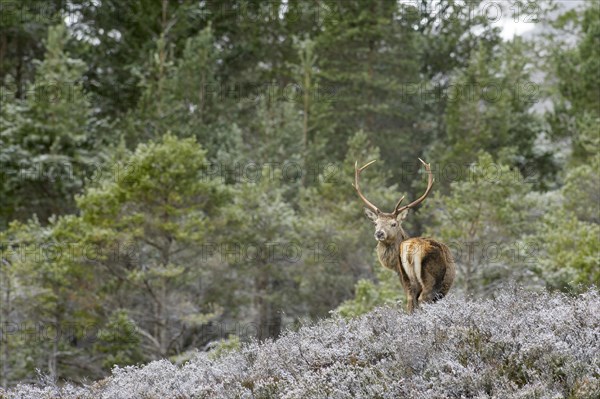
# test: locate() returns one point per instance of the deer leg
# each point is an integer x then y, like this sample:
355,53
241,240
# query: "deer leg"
410,304
428,288
411,297
424,282
426,294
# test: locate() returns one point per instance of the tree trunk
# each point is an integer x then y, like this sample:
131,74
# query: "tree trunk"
4,336
53,358
19,70
162,322
269,317
306,92
3,47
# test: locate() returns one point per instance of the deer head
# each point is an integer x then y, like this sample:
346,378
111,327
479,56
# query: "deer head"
388,225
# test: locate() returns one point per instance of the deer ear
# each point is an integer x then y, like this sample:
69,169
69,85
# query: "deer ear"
370,214
402,215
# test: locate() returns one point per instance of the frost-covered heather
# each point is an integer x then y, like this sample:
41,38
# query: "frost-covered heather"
520,345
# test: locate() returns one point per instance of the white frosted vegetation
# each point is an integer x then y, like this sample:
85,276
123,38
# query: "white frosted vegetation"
519,345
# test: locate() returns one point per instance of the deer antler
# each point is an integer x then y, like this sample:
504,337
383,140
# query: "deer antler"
416,202
397,208
357,171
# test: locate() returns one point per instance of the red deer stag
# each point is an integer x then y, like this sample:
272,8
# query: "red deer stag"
425,266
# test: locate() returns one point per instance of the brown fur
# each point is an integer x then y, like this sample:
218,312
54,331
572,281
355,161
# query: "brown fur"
397,252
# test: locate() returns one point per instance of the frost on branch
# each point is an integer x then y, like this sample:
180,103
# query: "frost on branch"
519,345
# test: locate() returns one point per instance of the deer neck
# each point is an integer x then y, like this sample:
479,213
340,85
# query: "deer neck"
389,252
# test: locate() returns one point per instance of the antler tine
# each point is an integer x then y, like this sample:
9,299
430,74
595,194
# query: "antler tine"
420,199
357,171
399,202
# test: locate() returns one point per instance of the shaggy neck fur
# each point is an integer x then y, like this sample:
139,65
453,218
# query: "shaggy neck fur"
388,252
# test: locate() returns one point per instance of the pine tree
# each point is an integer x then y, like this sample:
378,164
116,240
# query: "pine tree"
50,140
158,214
482,220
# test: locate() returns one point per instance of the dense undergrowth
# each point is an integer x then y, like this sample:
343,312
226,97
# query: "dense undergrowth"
518,345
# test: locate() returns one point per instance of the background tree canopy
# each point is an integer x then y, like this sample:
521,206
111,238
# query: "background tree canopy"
175,175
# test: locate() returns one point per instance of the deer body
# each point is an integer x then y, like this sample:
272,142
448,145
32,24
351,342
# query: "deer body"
425,266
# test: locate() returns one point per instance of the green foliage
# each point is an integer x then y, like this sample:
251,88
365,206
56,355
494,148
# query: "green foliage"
259,234
167,179
489,109
50,139
577,67
367,61
568,235
447,28
119,341
39,292
342,245
368,295
223,347
568,251
116,41
481,220
577,106
581,190
158,214
129,250
23,42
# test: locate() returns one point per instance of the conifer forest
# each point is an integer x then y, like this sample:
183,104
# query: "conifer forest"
181,215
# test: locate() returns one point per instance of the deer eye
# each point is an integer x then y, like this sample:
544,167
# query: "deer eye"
394,224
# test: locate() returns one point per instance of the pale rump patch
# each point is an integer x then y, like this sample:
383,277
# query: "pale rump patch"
407,257
417,258
412,256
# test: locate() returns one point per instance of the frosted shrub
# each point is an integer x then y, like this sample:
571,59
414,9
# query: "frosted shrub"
518,345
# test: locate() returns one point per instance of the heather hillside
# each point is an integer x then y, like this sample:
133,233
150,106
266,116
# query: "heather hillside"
517,345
